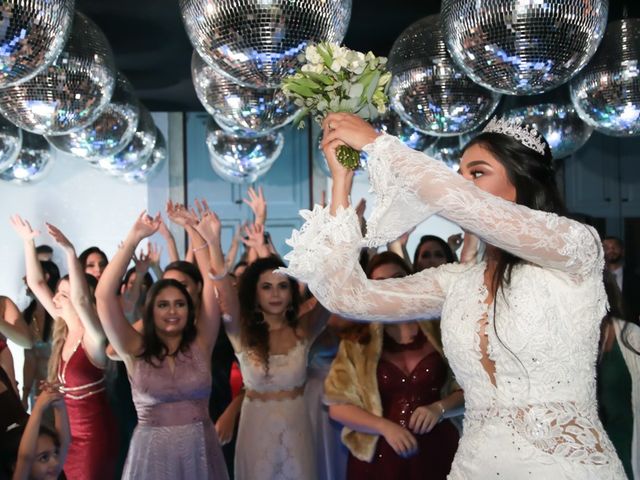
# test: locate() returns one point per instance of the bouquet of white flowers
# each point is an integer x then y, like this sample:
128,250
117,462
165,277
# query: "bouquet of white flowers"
336,79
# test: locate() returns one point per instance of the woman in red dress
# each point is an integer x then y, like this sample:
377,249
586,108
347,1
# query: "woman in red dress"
77,359
385,386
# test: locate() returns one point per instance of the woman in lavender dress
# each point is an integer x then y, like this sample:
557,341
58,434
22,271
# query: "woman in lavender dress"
170,372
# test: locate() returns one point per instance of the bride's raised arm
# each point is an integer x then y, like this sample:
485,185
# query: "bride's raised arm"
410,186
325,256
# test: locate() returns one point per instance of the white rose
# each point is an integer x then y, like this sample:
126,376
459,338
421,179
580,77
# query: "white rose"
312,55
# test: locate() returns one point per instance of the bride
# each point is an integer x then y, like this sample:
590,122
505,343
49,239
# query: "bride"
520,328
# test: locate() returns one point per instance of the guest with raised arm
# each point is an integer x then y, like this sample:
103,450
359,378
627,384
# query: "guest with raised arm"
14,328
519,329
42,451
77,359
271,342
168,364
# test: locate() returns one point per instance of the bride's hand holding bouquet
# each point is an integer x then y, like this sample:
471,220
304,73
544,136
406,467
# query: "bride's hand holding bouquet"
336,79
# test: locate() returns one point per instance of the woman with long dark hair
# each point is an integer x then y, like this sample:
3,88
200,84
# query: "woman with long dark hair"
77,359
519,329
169,366
271,340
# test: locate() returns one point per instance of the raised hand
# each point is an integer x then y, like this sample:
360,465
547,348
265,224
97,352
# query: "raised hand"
23,228
209,225
154,252
404,238
60,238
50,394
349,129
257,203
254,236
142,262
181,215
163,229
145,226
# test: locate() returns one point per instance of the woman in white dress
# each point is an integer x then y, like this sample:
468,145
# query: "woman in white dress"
520,328
271,339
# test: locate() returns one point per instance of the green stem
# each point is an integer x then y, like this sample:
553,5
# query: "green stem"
348,157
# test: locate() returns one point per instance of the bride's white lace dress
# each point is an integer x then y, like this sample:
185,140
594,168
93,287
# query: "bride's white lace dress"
533,415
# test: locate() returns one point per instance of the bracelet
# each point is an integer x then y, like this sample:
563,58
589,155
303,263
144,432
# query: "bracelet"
204,245
218,277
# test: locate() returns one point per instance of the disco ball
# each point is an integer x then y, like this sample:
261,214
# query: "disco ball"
33,34
523,47
448,150
143,171
428,90
257,43
33,162
10,143
557,121
239,109
71,92
136,152
606,93
242,159
392,124
110,132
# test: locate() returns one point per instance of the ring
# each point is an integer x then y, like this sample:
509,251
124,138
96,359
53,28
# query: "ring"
330,126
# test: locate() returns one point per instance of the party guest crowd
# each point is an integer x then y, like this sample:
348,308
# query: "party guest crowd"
211,368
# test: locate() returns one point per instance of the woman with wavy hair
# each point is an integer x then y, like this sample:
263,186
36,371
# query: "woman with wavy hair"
520,328
271,340
77,359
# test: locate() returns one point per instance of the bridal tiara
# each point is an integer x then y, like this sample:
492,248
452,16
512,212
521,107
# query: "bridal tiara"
528,136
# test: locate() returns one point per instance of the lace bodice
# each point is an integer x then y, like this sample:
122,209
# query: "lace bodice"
547,319
287,371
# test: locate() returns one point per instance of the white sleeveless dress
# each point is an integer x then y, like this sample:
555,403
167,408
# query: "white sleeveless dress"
539,420
274,436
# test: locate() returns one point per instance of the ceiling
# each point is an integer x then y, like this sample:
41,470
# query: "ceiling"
152,49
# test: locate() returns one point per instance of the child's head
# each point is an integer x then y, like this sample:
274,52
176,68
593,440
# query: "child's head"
46,465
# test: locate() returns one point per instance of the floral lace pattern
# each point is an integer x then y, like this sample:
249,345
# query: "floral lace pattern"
541,330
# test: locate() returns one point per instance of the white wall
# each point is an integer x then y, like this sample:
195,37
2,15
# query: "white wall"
90,207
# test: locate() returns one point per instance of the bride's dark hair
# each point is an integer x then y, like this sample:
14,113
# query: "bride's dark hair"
533,177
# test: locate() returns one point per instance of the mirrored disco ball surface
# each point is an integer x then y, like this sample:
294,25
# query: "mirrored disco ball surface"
243,158
10,143
240,109
448,150
33,162
110,132
523,47
428,91
392,124
32,35
143,171
606,93
136,152
560,125
257,42
71,92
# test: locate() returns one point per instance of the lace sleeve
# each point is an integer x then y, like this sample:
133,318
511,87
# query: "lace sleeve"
410,186
325,256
